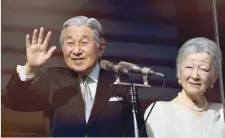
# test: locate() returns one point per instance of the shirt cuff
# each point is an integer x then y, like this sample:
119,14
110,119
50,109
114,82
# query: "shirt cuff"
21,72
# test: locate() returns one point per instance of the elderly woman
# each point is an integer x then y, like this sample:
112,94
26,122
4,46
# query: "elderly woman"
190,115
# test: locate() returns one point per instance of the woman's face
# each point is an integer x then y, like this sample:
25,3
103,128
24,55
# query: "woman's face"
196,74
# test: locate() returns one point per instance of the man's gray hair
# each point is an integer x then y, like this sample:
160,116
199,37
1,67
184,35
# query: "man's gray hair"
200,45
83,20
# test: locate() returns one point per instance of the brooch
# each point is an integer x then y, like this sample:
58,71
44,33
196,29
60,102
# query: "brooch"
216,115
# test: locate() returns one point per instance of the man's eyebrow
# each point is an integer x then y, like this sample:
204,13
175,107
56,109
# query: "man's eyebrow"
81,37
85,36
68,37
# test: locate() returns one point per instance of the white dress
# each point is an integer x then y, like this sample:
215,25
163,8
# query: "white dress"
171,120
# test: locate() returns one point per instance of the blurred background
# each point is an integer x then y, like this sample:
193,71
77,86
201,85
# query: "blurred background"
148,33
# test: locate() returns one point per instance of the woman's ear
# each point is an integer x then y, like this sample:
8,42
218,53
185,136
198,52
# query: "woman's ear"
214,78
213,82
178,75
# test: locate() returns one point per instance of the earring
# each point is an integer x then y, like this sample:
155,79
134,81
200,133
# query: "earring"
179,82
211,86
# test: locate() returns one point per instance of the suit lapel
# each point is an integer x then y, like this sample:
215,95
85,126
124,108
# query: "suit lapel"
78,106
103,93
76,103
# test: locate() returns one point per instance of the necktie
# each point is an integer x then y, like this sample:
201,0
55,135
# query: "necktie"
86,93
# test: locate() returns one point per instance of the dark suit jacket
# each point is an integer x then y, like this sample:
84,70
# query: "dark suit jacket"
56,91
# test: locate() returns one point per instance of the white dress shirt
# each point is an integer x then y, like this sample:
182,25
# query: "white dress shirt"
94,74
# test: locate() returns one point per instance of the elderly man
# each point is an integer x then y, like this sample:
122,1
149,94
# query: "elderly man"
77,98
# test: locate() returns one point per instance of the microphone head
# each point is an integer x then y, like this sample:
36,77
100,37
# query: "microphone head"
136,69
104,64
107,65
126,65
130,66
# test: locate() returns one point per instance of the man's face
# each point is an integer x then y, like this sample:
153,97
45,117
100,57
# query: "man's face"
195,73
80,49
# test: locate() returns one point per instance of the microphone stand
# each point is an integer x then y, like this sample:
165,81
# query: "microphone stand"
134,106
133,93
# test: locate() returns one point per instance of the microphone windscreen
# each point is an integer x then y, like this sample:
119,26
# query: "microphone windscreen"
105,64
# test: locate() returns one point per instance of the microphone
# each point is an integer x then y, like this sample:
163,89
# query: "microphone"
107,65
136,69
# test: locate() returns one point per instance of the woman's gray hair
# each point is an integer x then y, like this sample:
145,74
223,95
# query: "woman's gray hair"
200,45
83,20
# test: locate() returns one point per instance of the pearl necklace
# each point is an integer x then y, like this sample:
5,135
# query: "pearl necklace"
194,108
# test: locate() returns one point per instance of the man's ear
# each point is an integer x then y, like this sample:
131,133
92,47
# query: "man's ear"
102,44
102,47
